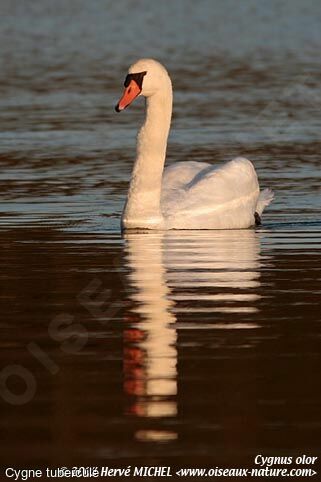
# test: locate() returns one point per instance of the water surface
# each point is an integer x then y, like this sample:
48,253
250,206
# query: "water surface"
188,348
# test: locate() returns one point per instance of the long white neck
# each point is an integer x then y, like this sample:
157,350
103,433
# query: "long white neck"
142,208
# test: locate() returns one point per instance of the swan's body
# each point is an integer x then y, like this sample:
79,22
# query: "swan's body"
186,195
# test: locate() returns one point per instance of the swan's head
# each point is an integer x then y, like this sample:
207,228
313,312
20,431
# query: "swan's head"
145,77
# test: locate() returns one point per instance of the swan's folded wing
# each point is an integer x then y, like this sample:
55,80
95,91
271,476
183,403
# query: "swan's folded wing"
216,197
175,179
180,174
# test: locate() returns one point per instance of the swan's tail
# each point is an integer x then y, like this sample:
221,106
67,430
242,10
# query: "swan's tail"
266,196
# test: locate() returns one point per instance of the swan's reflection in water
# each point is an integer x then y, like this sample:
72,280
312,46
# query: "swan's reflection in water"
181,280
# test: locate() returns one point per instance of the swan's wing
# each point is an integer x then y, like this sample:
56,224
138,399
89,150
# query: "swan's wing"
224,197
179,174
175,179
231,182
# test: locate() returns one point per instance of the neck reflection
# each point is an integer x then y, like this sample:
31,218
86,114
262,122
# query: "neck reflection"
150,342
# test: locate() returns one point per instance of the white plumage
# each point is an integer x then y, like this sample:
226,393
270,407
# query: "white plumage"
186,195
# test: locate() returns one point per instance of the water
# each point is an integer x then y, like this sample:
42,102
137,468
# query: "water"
188,348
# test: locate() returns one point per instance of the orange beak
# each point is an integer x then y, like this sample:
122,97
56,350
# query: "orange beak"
130,93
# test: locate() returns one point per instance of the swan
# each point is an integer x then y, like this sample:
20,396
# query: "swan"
187,194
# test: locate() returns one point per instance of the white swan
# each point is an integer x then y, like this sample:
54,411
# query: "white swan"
186,195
